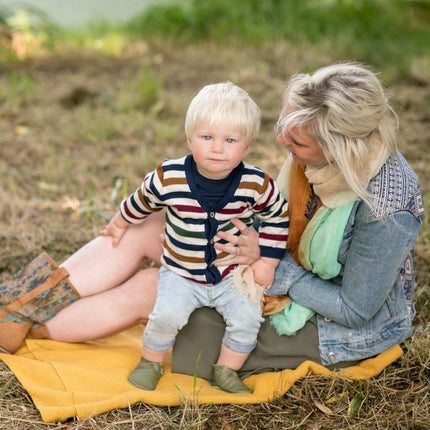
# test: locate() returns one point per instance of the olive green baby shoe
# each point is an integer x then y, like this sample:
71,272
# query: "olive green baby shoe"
228,380
146,375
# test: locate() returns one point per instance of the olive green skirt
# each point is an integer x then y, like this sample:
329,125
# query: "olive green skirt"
198,345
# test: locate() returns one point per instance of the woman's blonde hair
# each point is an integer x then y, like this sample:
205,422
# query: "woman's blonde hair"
344,109
224,103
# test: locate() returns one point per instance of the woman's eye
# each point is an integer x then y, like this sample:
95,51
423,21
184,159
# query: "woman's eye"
296,143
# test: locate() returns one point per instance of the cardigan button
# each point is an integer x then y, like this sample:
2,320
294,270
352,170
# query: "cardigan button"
212,214
327,319
331,355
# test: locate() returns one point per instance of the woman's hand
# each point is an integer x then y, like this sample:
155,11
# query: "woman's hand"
244,248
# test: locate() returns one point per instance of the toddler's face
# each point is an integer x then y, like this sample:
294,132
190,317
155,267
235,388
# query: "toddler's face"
217,149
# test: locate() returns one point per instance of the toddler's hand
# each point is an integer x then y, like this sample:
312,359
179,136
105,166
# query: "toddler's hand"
264,273
116,228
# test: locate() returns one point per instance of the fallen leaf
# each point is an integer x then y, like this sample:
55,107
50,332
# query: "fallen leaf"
337,397
21,130
355,403
323,408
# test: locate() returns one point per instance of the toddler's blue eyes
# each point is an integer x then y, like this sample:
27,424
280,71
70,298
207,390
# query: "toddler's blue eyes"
228,139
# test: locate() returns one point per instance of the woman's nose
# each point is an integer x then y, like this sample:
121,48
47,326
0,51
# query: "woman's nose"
280,138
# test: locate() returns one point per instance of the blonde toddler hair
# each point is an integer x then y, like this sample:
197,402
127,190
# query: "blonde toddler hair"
224,103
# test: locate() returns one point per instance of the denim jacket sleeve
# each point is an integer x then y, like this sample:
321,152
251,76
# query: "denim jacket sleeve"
371,260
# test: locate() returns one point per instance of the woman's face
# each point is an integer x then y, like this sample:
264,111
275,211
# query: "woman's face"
304,150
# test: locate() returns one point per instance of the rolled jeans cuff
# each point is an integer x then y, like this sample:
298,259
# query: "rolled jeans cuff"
238,347
157,346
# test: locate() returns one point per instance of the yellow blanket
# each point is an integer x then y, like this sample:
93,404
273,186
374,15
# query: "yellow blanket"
66,380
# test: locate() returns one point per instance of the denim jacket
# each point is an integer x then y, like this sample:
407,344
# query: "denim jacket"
368,307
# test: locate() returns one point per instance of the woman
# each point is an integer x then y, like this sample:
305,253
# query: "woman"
355,213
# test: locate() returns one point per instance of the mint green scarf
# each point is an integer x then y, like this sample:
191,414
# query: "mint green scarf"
318,251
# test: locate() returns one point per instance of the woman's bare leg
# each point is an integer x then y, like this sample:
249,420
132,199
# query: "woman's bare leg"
98,266
108,312
115,294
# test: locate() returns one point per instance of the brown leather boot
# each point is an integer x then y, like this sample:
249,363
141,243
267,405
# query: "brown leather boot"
30,298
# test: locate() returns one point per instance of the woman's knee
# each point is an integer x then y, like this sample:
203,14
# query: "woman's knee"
140,292
145,280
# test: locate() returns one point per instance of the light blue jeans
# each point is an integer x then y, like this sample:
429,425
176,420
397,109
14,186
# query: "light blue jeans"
178,297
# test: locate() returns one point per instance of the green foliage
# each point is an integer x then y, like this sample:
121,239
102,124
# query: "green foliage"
101,37
374,31
162,20
389,33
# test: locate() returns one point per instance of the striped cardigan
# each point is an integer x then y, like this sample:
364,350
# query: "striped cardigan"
192,223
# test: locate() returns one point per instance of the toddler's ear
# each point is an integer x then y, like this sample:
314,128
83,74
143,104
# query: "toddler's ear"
248,148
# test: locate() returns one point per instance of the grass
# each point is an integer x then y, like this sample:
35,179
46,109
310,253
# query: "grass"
81,123
393,33
19,91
